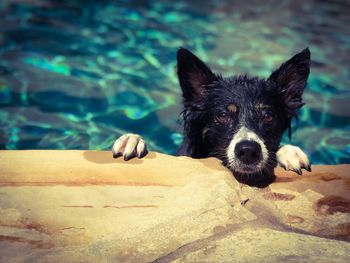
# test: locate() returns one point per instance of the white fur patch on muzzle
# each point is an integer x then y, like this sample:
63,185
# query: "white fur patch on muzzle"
244,134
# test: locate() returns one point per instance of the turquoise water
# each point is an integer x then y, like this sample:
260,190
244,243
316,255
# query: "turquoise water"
78,74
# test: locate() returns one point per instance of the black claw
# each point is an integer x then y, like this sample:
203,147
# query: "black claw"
298,171
143,153
284,167
116,155
129,156
308,168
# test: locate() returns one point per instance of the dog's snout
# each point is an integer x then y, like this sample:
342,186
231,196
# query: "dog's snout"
248,152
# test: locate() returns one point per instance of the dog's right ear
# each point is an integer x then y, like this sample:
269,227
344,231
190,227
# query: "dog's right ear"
193,75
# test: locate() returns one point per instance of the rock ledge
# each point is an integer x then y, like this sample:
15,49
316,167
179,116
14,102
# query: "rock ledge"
85,206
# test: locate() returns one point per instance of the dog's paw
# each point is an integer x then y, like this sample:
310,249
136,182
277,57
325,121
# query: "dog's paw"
293,158
130,146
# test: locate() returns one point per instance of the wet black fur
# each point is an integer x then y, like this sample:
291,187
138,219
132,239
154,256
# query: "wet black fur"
206,95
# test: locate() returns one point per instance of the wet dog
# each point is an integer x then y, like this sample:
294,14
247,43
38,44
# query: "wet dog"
239,120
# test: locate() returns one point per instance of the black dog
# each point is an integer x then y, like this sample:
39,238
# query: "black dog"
239,120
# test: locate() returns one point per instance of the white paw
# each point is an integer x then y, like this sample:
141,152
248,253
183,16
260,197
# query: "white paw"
129,145
293,158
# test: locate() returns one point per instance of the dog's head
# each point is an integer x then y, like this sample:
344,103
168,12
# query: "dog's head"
240,119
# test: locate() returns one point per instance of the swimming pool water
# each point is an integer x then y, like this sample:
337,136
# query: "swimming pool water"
78,74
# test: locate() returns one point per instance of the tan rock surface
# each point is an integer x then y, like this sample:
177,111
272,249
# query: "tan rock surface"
85,206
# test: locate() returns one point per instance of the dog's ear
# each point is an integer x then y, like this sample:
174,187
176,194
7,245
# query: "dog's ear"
193,75
291,80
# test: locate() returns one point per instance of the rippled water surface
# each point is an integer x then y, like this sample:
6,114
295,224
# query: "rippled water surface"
78,74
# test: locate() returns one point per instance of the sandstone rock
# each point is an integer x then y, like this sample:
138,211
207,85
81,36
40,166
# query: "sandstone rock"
260,244
85,206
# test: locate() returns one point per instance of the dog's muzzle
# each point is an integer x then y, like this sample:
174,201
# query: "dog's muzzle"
246,152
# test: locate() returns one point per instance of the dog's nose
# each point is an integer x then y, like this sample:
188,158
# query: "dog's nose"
248,152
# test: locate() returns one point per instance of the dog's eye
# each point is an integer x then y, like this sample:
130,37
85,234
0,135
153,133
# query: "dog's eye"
223,117
268,117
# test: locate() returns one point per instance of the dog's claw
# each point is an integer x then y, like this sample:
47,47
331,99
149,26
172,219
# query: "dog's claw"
308,168
129,146
127,157
293,158
116,155
142,153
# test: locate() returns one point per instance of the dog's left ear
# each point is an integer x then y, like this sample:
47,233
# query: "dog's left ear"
291,80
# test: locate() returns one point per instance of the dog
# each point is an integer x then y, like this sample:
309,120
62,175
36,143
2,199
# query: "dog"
239,120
